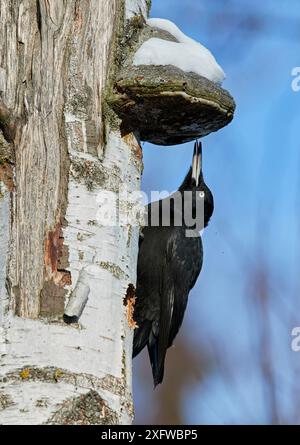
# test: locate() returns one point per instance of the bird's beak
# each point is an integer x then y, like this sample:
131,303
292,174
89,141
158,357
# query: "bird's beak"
197,162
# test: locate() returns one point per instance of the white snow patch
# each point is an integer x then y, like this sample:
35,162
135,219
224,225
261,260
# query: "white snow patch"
186,54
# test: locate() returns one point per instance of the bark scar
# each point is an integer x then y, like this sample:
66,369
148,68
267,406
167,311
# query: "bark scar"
57,277
129,302
54,257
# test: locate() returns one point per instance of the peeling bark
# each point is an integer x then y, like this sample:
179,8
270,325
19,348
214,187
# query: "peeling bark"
58,151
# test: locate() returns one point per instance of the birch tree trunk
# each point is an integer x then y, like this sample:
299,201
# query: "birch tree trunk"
57,153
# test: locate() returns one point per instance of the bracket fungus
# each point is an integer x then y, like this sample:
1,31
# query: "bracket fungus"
163,103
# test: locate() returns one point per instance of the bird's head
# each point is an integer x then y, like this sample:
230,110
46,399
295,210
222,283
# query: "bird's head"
194,182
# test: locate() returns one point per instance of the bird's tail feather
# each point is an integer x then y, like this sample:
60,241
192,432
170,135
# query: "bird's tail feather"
140,337
157,369
159,348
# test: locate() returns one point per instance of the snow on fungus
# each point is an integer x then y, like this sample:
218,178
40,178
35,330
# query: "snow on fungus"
168,88
186,53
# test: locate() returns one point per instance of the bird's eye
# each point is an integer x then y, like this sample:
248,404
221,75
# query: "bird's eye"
201,194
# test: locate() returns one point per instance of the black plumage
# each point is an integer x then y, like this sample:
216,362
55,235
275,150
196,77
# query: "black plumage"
169,263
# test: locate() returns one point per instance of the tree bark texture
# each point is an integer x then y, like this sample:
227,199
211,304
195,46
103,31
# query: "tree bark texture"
57,153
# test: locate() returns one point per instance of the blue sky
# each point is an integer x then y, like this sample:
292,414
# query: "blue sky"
252,167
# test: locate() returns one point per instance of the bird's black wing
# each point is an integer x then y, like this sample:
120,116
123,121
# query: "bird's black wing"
185,259
168,266
182,265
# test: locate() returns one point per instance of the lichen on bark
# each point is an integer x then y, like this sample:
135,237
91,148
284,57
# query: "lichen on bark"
86,409
5,401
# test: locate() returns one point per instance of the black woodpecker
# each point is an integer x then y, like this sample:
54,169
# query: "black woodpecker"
169,263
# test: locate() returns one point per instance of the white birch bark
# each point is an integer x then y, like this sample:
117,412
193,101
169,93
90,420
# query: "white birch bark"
55,60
